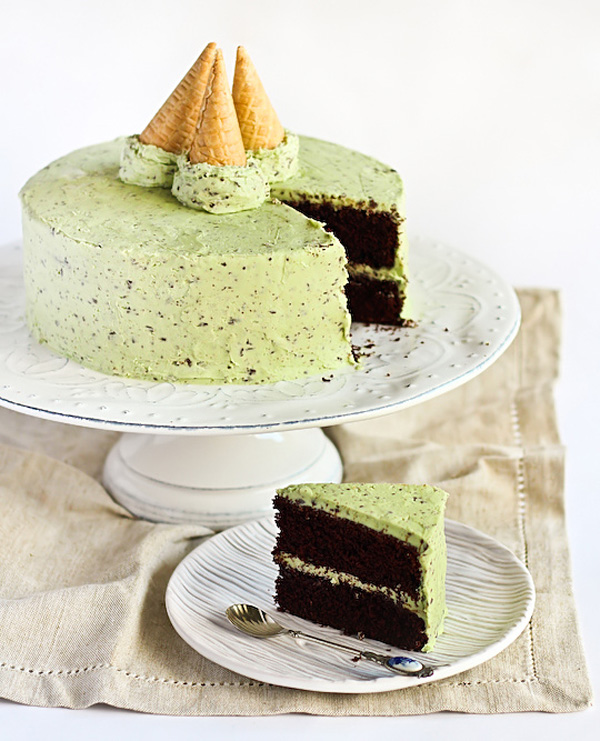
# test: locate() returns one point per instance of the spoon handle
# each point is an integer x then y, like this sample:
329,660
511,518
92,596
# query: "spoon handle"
399,664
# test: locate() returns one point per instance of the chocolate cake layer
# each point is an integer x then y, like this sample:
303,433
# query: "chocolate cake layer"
317,537
351,610
374,300
369,236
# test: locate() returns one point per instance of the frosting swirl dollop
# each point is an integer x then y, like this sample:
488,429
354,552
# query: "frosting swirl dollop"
214,188
146,165
279,163
219,189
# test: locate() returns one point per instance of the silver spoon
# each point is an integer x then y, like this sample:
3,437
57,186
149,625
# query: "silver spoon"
256,622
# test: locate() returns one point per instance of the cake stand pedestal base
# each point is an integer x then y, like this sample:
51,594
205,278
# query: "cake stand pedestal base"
217,481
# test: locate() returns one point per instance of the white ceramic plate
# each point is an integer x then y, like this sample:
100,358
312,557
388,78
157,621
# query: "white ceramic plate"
467,316
490,598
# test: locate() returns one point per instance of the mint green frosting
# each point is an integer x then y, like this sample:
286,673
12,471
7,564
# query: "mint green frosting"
411,513
219,189
216,189
279,163
146,165
128,281
346,177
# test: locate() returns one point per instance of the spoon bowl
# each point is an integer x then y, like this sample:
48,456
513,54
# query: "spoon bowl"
254,621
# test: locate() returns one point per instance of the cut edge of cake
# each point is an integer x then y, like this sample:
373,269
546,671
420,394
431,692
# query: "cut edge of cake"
367,559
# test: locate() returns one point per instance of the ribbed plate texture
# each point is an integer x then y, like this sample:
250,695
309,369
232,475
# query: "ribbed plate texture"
490,598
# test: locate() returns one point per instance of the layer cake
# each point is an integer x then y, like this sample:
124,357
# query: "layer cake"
216,246
127,281
368,559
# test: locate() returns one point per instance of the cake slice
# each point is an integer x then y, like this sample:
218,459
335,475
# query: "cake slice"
368,559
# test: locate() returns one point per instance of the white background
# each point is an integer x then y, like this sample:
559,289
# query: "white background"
490,111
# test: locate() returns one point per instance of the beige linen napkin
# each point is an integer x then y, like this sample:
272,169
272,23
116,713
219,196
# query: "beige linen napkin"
82,583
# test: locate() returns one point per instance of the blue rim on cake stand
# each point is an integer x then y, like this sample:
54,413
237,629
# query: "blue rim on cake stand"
215,454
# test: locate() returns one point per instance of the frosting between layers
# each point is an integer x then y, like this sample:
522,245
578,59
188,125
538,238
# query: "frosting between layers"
340,577
396,273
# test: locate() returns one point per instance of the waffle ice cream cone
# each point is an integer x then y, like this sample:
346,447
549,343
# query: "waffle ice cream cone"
218,140
259,124
172,128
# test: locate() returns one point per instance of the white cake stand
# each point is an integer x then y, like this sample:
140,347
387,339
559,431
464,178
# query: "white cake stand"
216,454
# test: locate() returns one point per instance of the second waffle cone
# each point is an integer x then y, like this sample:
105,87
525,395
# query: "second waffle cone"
259,124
